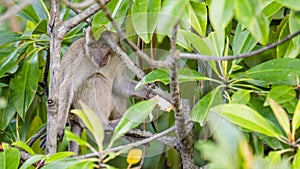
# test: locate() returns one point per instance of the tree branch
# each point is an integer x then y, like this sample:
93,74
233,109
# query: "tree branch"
174,88
186,141
80,5
239,56
57,31
71,23
135,144
52,101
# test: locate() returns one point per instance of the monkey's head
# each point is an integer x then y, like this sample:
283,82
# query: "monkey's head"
98,51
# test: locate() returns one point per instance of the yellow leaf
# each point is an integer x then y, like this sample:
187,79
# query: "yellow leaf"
134,156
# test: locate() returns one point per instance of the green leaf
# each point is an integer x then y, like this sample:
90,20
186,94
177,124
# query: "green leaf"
201,45
248,118
100,20
201,109
71,163
8,37
221,13
154,7
7,114
290,4
24,146
10,158
73,137
294,24
296,119
281,117
197,16
271,8
36,125
139,19
41,27
41,9
24,85
289,49
296,161
133,116
92,122
163,75
29,13
260,29
145,17
222,152
170,14
32,160
281,94
284,71
217,39
244,11
243,41
241,97
250,14
12,60
59,156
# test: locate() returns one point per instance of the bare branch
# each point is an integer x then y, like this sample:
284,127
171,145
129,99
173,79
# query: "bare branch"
186,141
174,88
80,5
71,23
52,101
239,56
14,10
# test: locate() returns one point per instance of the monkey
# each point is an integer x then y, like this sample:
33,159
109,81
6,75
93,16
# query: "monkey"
90,71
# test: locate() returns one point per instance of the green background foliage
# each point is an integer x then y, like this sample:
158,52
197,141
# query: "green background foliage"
246,111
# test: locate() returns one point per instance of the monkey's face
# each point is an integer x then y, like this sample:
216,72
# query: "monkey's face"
99,52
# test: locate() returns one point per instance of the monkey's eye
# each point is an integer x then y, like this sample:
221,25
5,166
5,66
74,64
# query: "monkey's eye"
93,45
104,45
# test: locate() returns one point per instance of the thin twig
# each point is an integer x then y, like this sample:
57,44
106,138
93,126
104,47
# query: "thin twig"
135,144
36,136
239,56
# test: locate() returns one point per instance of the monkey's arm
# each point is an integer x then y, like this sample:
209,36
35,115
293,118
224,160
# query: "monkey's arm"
125,86
66,96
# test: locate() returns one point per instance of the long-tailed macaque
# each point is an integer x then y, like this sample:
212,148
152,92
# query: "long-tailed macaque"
91,72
